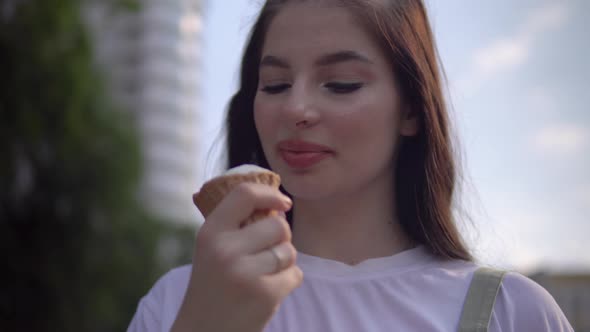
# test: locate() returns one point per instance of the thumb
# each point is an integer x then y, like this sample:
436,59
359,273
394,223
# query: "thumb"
195,197
201,207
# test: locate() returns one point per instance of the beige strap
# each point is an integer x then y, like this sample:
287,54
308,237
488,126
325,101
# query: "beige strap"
479,303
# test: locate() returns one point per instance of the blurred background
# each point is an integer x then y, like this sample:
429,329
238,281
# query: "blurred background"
111,117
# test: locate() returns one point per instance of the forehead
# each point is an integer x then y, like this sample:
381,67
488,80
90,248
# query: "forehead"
312,28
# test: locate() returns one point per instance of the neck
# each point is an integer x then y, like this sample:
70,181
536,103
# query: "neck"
349,228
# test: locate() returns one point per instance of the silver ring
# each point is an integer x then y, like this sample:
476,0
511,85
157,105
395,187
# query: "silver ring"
275,253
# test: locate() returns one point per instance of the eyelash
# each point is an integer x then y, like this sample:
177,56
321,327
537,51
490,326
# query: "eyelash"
343,88
276,88
334,87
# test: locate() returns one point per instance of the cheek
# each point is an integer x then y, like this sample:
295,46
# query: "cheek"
367,137
370,126
266,122
261,118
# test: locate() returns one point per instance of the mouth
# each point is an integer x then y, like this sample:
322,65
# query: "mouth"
301,154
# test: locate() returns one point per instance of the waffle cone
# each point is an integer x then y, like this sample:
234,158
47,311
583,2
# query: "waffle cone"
213,191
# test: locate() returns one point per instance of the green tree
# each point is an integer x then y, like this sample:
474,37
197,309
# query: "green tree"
77,249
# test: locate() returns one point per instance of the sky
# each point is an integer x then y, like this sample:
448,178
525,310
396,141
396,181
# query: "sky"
518,81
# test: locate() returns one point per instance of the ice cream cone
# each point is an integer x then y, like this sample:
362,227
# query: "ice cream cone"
214,190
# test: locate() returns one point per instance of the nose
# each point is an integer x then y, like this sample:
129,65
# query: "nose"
299,109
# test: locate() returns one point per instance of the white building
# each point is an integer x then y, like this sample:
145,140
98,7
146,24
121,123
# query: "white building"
572,292
152,57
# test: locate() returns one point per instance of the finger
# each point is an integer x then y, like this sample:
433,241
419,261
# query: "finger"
284,282
195,198
269,261
262,234
253,238
243,201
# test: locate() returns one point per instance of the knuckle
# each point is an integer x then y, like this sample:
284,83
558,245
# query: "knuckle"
204,239
244,190
237,277
223,255
292,253
297,276
281,228
273,228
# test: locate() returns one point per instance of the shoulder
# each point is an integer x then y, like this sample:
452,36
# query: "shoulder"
168,291
158,308
174,280
523,305
526,296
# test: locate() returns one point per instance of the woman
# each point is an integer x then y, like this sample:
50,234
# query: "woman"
343,99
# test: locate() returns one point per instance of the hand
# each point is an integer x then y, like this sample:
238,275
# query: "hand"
240,275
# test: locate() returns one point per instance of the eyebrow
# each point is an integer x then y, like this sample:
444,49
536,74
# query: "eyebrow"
342,56
326,60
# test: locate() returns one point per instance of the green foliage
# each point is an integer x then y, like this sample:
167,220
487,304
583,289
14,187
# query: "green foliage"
128,4
77,249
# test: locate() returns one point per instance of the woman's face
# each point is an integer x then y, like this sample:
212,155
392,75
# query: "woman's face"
327,109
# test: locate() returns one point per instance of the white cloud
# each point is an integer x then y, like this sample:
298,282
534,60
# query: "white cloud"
582,196
523,233
513,234
510,52
585,198
500,55
548,17
560,139
541,101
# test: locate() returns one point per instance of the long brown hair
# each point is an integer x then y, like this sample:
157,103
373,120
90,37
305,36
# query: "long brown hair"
426,172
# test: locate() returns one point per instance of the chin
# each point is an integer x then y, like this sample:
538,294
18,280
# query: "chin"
314,183
306,187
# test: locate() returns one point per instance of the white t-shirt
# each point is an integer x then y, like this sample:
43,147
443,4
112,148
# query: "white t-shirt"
409,291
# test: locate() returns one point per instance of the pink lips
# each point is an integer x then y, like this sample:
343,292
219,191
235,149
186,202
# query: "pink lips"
301,154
